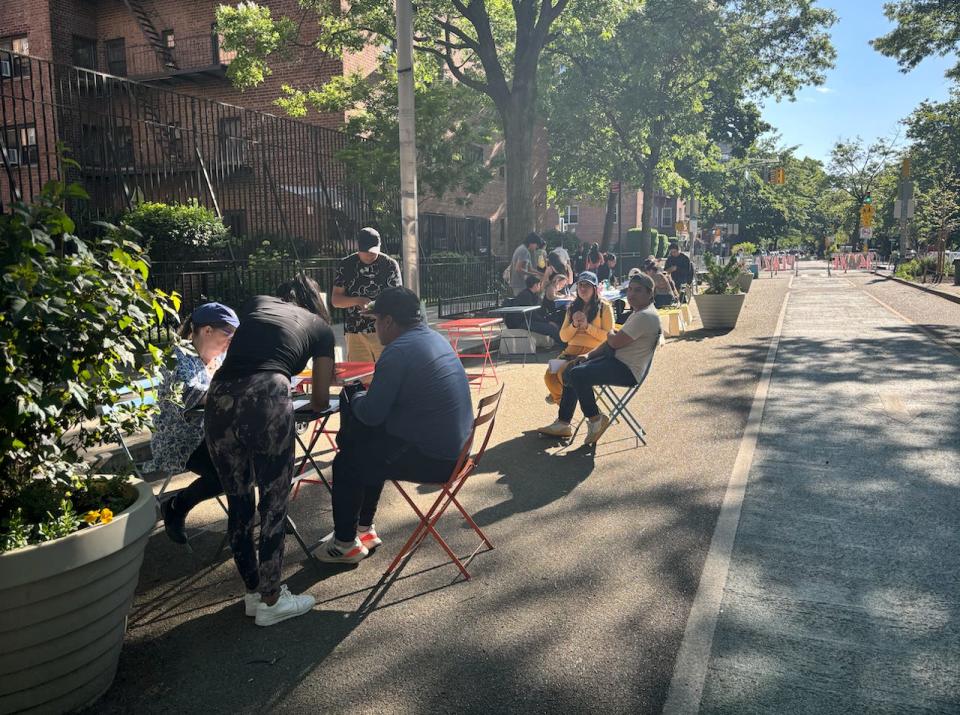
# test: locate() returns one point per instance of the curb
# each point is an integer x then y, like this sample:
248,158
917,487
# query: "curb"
948,296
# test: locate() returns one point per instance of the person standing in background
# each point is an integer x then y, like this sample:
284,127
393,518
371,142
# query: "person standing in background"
679,268
521,263
361,277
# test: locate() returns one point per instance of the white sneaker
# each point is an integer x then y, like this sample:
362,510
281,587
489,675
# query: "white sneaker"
333,552
250,603
596,428
287,606
557,429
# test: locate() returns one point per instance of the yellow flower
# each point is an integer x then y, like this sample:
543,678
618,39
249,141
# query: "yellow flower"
106,516
91,517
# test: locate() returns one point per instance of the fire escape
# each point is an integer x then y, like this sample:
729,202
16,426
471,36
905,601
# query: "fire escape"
149,31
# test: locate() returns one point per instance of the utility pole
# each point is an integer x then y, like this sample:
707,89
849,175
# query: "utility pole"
906,196
408,146
694,216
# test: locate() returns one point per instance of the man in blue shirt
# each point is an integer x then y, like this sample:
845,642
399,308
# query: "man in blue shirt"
411,424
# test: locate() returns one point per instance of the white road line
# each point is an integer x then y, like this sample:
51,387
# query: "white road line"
690,670
932,336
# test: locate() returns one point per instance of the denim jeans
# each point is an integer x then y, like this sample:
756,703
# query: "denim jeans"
579,381
544,327
365,461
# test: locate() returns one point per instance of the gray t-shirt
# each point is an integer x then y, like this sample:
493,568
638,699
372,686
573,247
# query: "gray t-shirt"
644,327
518,278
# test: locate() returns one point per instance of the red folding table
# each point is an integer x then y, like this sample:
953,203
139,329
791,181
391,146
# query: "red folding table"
483,329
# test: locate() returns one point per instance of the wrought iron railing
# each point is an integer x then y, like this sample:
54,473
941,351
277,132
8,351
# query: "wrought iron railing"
270,176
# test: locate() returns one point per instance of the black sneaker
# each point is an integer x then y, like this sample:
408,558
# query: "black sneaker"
173,522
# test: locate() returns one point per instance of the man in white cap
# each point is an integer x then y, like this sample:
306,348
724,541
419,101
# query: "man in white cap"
361,277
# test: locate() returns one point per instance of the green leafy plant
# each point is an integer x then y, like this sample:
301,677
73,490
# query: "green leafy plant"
747,247
75,323
721,277
178,231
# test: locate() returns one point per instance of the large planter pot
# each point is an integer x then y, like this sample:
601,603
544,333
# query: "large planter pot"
744,281
719,311
63,611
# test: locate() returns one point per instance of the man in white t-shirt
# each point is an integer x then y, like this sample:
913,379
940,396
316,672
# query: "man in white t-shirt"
621,360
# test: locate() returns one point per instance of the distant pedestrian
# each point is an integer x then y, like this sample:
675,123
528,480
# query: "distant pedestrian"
361,277
679,268
522,265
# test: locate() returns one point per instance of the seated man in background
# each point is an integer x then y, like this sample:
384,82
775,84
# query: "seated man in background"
411,424
538,320
621,360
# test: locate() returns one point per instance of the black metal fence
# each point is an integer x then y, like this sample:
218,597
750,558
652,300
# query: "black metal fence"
232,282
131,142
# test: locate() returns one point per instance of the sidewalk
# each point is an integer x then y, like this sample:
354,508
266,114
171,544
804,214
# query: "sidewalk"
842,593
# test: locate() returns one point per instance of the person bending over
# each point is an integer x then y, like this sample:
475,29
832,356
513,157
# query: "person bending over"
177,442
620,360
249,429
411,424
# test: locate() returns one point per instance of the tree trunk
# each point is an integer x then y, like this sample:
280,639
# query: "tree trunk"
612,199
647,218
518,114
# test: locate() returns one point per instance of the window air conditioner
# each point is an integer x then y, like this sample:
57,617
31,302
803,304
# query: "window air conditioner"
6,68
13,156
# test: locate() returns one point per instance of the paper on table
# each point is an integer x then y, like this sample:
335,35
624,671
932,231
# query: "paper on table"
556,365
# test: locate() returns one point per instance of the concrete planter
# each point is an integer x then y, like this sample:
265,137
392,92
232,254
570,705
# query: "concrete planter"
719,311
63,611
744,281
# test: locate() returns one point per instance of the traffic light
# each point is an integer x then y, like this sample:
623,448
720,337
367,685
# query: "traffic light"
868,199
777,175
867,209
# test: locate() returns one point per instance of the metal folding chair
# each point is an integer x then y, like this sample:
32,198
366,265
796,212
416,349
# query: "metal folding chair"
617,404
466,464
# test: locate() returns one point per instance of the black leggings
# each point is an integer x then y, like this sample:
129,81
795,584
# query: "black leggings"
249,428
205,486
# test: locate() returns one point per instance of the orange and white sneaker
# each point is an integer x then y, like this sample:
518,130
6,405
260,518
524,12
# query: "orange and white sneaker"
369,537
338,552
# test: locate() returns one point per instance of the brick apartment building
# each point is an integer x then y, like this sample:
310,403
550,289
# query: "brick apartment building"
586,217
148,138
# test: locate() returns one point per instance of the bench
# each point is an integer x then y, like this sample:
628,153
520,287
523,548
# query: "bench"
467,305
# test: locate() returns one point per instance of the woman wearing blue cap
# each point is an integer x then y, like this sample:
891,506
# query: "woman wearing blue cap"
177,442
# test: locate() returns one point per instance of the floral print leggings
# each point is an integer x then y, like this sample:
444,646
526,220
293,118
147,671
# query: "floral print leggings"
249,428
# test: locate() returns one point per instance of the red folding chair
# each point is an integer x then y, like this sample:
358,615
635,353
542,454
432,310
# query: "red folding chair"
466,464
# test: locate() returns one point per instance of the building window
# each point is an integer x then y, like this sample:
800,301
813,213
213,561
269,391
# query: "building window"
117,57
15,66
169,41
84,52
21,144
571,214
124,145
666,216
236,221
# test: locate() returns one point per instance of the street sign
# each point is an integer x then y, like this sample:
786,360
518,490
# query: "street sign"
866,232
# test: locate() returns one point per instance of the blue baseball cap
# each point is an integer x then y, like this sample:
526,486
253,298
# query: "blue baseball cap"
588,277
210,313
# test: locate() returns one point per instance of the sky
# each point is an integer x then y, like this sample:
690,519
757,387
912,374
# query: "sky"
865,94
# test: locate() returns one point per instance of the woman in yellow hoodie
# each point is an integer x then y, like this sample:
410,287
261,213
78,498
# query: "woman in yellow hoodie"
585,325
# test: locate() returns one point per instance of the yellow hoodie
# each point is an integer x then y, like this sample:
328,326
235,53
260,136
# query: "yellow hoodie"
591,336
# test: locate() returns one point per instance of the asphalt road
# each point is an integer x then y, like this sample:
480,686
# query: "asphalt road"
580,608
